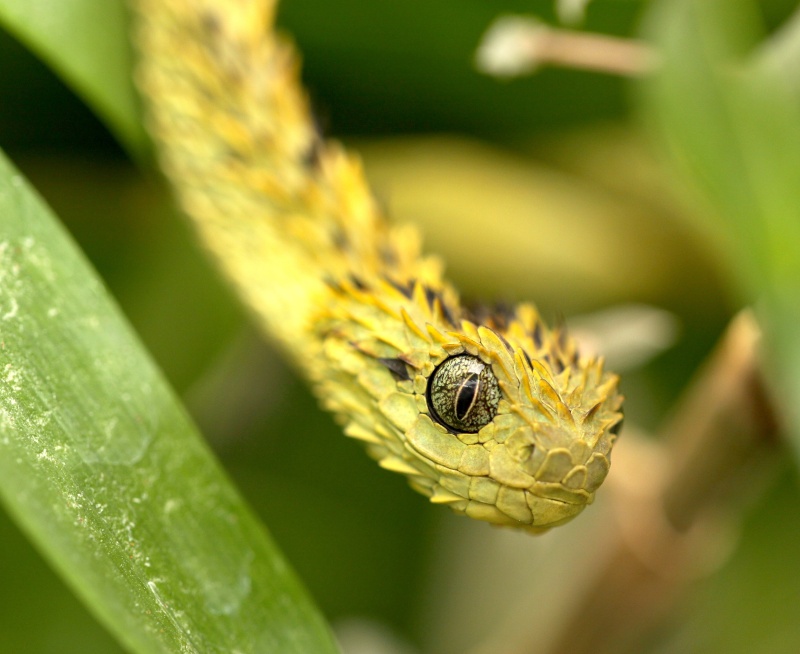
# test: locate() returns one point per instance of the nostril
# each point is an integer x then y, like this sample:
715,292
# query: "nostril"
524,453
520,445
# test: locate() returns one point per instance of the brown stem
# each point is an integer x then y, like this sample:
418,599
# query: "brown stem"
584,50
674,500
517,45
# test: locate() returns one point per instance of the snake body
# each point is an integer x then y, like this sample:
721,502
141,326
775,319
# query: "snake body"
491,413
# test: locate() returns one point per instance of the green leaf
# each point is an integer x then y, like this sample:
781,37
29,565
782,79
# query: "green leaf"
733,127
101,467
86,43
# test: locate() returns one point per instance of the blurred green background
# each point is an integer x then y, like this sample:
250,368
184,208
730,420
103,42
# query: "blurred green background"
542,188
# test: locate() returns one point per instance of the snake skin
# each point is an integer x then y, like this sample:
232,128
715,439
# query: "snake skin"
349,296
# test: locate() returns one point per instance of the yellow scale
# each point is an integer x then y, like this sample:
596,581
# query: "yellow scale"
499,418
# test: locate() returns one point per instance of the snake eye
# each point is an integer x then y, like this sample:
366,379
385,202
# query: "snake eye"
463,394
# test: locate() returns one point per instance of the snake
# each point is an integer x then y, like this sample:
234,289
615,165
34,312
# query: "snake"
483,408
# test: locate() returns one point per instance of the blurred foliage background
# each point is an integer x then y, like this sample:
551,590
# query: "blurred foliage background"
545,188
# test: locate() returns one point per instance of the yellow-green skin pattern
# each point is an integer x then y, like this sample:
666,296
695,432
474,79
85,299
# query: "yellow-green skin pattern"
349,297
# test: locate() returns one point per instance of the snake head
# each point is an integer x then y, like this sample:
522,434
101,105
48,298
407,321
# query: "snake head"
502,421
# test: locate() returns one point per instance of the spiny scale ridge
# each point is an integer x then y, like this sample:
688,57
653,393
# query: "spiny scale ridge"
292,223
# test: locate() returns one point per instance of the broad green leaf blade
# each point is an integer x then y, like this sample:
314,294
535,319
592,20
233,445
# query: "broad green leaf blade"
86,43
733,127
102,468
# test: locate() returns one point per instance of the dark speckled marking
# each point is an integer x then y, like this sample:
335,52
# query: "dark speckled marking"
388,255
502,314
397,367
537,335
210,23
339,239
505,342
405,289
527,358
430,296
562,339
312,156
448,314
360,285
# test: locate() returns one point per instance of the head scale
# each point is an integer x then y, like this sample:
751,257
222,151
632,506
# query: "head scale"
508,425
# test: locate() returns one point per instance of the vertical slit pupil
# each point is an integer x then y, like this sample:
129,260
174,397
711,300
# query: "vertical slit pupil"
466,395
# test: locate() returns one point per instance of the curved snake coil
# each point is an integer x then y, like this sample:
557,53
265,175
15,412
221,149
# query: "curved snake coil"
494,415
